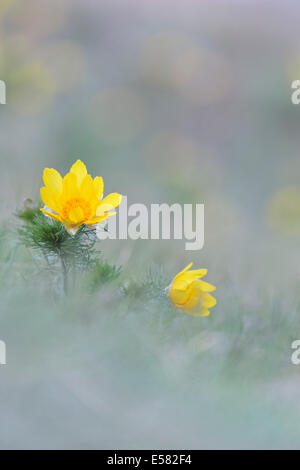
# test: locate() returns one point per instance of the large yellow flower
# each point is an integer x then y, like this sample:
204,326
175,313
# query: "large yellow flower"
190,294
76,199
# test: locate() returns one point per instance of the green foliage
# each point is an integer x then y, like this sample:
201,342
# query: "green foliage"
51,239
151,287
102,273
55,245
147,297
29,211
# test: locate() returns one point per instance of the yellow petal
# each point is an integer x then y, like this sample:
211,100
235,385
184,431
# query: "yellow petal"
108,214
51,214
76,215
181,283
109,202
183,271
99,186
208,300
96,220
187,268
49,199
79,170
178,296
53,181
205,286
199,272
194,274
186,277
103,209
87,189
194,298
114,199
70,187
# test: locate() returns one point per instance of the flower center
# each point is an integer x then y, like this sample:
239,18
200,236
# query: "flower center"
77,209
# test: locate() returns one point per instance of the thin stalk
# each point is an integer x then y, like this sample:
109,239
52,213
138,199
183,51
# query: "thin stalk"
65,273
46,258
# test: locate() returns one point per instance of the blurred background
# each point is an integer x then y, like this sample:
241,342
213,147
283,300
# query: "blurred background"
169,101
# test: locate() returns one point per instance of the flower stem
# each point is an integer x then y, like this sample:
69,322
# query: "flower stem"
65,273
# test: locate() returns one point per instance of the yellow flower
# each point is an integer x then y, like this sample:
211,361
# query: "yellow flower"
76,199
190,294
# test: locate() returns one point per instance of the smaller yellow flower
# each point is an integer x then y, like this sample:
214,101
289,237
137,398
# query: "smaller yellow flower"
190,294
77,198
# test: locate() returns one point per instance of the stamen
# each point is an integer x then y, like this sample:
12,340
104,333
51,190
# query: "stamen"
74,204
